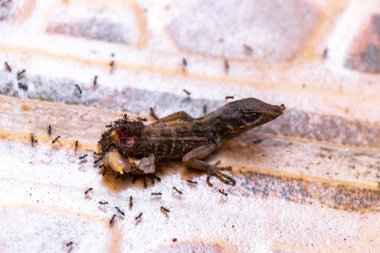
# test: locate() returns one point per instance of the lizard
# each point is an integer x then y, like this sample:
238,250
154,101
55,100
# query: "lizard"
130,147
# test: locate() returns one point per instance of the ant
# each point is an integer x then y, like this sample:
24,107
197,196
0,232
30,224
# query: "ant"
180,192
56,139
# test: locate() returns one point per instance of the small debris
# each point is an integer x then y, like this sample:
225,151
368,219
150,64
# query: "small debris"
174,239
112,66
184,65
184,62
247,49
325,53
103,202
25,107
229,97
156,194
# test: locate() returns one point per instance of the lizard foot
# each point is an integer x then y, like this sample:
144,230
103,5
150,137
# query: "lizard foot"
216,172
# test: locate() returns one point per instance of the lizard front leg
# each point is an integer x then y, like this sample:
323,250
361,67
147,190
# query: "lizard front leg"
181,115
192,160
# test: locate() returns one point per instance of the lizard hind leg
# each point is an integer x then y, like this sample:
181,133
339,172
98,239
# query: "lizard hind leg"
192,160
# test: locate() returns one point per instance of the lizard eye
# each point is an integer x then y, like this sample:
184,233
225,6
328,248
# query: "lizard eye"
250,116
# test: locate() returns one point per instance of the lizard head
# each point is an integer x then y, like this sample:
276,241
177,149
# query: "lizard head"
116,144
120,135
255,112
241,115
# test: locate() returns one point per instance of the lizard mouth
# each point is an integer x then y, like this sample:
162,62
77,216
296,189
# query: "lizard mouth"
273,111
123,165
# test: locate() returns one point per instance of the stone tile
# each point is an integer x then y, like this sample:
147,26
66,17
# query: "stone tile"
96,23
251,30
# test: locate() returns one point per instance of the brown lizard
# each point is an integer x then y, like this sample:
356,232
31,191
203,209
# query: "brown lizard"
130,147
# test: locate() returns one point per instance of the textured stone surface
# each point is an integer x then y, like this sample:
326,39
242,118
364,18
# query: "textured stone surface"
78,65
364,52
9,8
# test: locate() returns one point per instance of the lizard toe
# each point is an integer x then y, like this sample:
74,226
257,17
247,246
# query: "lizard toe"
216,172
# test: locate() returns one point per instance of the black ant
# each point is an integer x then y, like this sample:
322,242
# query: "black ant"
180,192
130,202
56,139
95,82
7,67
119,210
222,192
88,190
112,219
33,140
49,130
21,74
83,156
138,216
191,182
